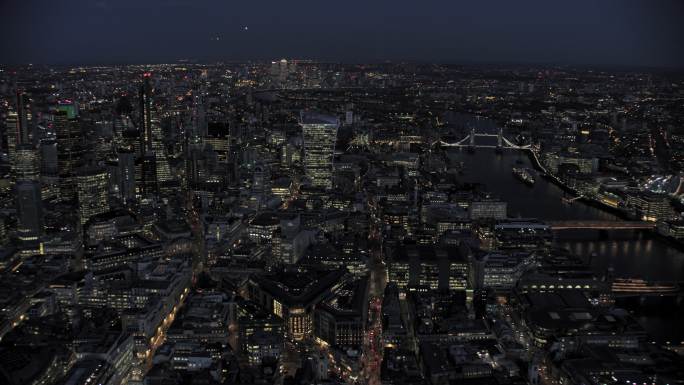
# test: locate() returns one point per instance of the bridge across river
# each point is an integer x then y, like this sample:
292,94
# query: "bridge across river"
469,141
601,225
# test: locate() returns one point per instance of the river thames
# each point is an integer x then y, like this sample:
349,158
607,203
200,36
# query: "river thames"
630,254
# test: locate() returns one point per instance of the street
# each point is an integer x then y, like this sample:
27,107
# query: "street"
373,346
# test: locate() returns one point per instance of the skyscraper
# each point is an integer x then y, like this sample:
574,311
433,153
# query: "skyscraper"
92,187
145,126
162,168
149,183
154,164
30,210
126,175
49,170
22,123
320,134
28,190
69,152
17,129
11,123
25,166
26,163
48,158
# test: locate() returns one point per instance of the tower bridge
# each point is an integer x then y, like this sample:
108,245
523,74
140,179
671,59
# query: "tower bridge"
469,141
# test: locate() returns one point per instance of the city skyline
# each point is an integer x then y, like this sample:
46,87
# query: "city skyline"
345,205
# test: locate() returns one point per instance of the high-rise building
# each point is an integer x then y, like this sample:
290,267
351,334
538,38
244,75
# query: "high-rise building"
25,166
48,158
93,188
261,182
68,140
320,134
130,140
218,137
162,167
69,152
26,163
11,124
126,175
22,132
29,210
145,126
155,165
17,124
149,183
279,72
199,124
28,193
49,170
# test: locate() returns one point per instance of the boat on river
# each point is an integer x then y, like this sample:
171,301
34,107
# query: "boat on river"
524,175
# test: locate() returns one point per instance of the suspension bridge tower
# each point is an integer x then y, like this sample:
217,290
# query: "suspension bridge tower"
499,141
471,147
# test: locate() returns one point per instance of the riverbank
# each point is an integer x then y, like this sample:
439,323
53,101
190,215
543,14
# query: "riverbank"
534,159
586,200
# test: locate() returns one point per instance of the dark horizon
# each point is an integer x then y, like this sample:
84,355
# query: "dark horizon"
617,68
623,34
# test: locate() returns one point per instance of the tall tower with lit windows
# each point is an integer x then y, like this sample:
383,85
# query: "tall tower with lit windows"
319,134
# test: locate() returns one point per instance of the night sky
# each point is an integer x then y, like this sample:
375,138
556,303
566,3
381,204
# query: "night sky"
577,32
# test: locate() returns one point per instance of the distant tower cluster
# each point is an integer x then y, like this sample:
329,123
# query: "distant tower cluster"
280,71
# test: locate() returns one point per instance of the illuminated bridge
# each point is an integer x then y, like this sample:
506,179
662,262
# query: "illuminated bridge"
601,225
642,289
469,141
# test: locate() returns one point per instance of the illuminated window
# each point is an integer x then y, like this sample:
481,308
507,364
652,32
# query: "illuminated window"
277,308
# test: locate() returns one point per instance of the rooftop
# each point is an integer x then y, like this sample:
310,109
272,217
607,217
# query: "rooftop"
349,300
310,117
299,287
